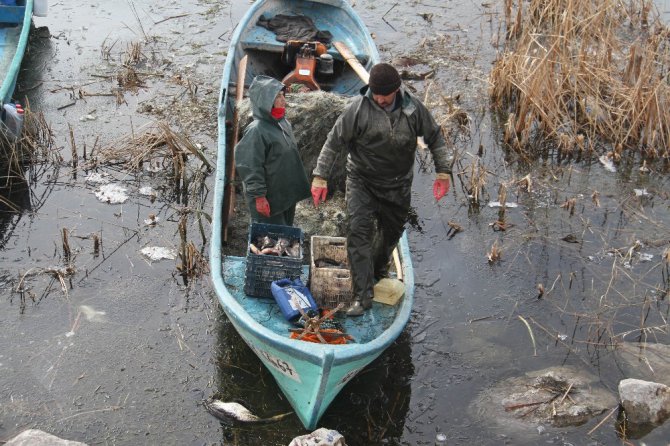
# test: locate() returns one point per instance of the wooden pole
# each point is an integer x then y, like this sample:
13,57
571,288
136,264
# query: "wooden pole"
352,61
229,193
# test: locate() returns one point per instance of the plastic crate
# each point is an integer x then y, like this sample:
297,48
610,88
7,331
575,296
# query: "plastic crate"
330,286
263,269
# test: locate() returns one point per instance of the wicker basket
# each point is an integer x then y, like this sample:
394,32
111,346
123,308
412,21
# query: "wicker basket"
330,285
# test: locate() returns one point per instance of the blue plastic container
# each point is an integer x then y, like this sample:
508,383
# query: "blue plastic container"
8,2
291,295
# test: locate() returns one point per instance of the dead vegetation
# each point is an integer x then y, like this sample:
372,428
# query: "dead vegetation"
155,144
584,76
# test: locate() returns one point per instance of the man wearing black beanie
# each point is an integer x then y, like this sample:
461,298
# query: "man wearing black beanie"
378,130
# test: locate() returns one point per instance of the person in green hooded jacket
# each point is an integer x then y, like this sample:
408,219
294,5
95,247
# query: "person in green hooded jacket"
267,158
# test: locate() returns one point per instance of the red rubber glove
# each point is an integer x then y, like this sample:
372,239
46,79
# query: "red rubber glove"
319,190
263,207
441,186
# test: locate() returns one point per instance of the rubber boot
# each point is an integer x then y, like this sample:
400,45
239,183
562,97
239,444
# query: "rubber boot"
359,306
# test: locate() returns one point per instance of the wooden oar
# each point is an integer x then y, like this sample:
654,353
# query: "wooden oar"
349,57
360,70
229,193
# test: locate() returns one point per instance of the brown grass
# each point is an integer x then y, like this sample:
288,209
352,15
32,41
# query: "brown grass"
584,75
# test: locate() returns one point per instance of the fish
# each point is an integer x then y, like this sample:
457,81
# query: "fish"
233,412
253,248
265,242
294,249
281,246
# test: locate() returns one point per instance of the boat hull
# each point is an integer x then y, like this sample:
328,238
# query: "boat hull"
310,375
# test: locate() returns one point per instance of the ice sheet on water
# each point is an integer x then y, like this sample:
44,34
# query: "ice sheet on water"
156,253
497,204
112,193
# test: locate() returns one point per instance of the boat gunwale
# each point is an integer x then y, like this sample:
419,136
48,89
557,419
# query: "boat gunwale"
17,59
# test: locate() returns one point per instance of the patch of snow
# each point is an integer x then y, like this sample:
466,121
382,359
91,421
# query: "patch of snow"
497,204
112,193
156,253
96,178
147,191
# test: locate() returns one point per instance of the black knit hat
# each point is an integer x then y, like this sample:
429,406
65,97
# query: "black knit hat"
384,79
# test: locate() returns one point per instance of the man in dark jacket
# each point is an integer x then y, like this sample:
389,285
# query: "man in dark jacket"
378,130
267,158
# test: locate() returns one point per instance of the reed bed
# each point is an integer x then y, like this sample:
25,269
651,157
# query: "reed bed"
585,76
155,143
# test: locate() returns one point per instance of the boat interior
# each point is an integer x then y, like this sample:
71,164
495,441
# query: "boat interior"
266,311
12,13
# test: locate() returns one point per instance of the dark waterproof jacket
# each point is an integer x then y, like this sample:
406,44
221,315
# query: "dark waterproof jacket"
267,158
381,146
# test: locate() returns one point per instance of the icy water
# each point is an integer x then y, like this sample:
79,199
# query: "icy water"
127,351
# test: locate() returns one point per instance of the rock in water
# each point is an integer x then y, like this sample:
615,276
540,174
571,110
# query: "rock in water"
34,437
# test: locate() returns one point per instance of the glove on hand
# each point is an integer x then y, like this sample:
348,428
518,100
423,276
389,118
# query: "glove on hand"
319,190
263,207
441,186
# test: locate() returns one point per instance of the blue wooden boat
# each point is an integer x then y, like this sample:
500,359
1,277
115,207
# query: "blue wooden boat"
310,375
15,19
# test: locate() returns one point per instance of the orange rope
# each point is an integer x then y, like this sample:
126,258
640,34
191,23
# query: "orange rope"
325,333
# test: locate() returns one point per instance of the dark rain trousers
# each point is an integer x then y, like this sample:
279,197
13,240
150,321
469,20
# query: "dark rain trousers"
377,219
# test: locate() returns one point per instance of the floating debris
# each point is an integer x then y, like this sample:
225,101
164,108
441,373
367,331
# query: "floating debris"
595,196
152,220
112,194
235,412
570,238
644,257
641,193
156,253
91,314
495,254
96,178
88,118
607,163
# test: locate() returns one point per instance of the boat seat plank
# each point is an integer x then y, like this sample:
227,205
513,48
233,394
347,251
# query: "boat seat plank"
262,39
12,14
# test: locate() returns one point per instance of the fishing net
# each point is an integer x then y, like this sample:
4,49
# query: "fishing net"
312,115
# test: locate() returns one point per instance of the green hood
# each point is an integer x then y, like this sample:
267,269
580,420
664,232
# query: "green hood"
262,94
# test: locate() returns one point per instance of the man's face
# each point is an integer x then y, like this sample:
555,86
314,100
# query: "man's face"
384,100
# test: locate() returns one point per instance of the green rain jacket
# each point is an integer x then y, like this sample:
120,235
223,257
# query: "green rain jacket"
381,146
267,158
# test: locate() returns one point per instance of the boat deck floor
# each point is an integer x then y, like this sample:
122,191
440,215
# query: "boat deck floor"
266,312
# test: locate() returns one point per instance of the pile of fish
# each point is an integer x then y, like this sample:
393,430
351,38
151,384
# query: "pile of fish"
280,247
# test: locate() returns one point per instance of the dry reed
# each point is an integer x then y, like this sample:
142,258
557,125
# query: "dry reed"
156,143
586,75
